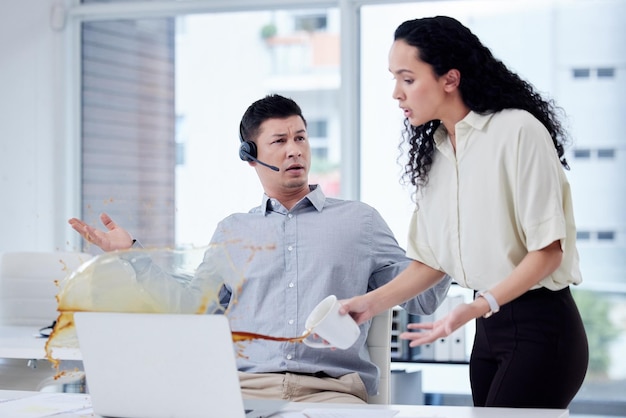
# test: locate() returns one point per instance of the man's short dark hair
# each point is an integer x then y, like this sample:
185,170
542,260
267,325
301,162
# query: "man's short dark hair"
272,106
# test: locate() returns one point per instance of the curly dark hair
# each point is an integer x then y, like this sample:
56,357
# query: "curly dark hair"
486,86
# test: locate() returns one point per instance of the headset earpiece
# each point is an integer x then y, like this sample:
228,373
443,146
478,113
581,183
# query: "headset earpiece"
247,150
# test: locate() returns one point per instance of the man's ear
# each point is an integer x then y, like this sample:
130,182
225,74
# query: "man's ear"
452,79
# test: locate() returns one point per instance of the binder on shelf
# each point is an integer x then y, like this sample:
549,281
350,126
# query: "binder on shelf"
453,348
457,338
450,348
425,352
442,345
399,348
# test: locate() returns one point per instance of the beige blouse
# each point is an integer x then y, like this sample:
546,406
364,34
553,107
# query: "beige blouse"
502,194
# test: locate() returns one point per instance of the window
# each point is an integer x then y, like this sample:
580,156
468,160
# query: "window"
181,123
606,72
588,153
214,97
606,235
310,23
581,72
318,137
319,154
181,138
582,153
608,153
317,128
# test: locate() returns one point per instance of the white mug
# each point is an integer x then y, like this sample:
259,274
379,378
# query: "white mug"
339,331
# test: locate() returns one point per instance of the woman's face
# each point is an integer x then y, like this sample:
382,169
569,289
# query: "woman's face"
418,90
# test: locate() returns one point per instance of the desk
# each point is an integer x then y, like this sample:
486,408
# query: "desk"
23,363
20,342
77,406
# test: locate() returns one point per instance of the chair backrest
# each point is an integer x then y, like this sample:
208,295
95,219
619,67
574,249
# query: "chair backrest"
379,345
29,283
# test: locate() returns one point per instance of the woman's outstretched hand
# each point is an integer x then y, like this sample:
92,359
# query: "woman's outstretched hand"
431,331
115,238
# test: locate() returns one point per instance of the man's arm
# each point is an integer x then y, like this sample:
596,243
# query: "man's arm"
163,274
392,260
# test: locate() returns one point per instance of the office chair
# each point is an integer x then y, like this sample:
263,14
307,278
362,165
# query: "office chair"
29,285
379,346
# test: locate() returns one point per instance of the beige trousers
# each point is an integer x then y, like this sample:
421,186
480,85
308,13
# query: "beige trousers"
294,387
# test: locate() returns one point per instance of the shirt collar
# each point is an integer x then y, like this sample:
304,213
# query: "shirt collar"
472,120
315,197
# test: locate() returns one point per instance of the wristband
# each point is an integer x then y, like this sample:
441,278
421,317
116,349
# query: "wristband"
493,303
136,245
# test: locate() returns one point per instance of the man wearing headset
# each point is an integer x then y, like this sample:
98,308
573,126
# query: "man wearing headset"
311,247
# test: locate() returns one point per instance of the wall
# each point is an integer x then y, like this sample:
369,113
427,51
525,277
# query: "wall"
34,154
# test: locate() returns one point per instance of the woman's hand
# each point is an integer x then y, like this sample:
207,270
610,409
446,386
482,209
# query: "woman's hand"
432,331
359,307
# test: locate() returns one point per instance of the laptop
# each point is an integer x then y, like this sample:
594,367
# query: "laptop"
163,365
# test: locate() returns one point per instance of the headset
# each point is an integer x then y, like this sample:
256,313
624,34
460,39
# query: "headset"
248,152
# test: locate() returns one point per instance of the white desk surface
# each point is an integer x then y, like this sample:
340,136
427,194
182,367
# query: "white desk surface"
21,342
22,404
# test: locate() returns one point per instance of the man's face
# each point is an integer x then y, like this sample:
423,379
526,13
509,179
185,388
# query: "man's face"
284,143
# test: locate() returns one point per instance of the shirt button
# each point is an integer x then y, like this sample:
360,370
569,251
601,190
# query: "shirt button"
291,284
290,248
289,356
290,216
291,321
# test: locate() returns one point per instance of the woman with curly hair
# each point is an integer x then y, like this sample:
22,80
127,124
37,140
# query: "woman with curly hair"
493,210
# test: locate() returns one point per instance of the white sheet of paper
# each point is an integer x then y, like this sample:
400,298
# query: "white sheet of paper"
46,404
348,413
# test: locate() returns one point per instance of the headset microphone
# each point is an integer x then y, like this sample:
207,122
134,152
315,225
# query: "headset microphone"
247,151
251,158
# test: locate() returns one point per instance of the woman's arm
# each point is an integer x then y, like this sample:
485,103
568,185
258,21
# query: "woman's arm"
413,280
533,268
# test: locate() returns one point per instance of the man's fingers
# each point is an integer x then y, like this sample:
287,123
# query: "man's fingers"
107,222
80,227
89,233
76,224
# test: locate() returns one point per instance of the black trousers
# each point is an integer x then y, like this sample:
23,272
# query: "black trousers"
531,354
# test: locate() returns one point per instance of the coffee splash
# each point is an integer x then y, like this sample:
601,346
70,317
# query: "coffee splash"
149,281
239,336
